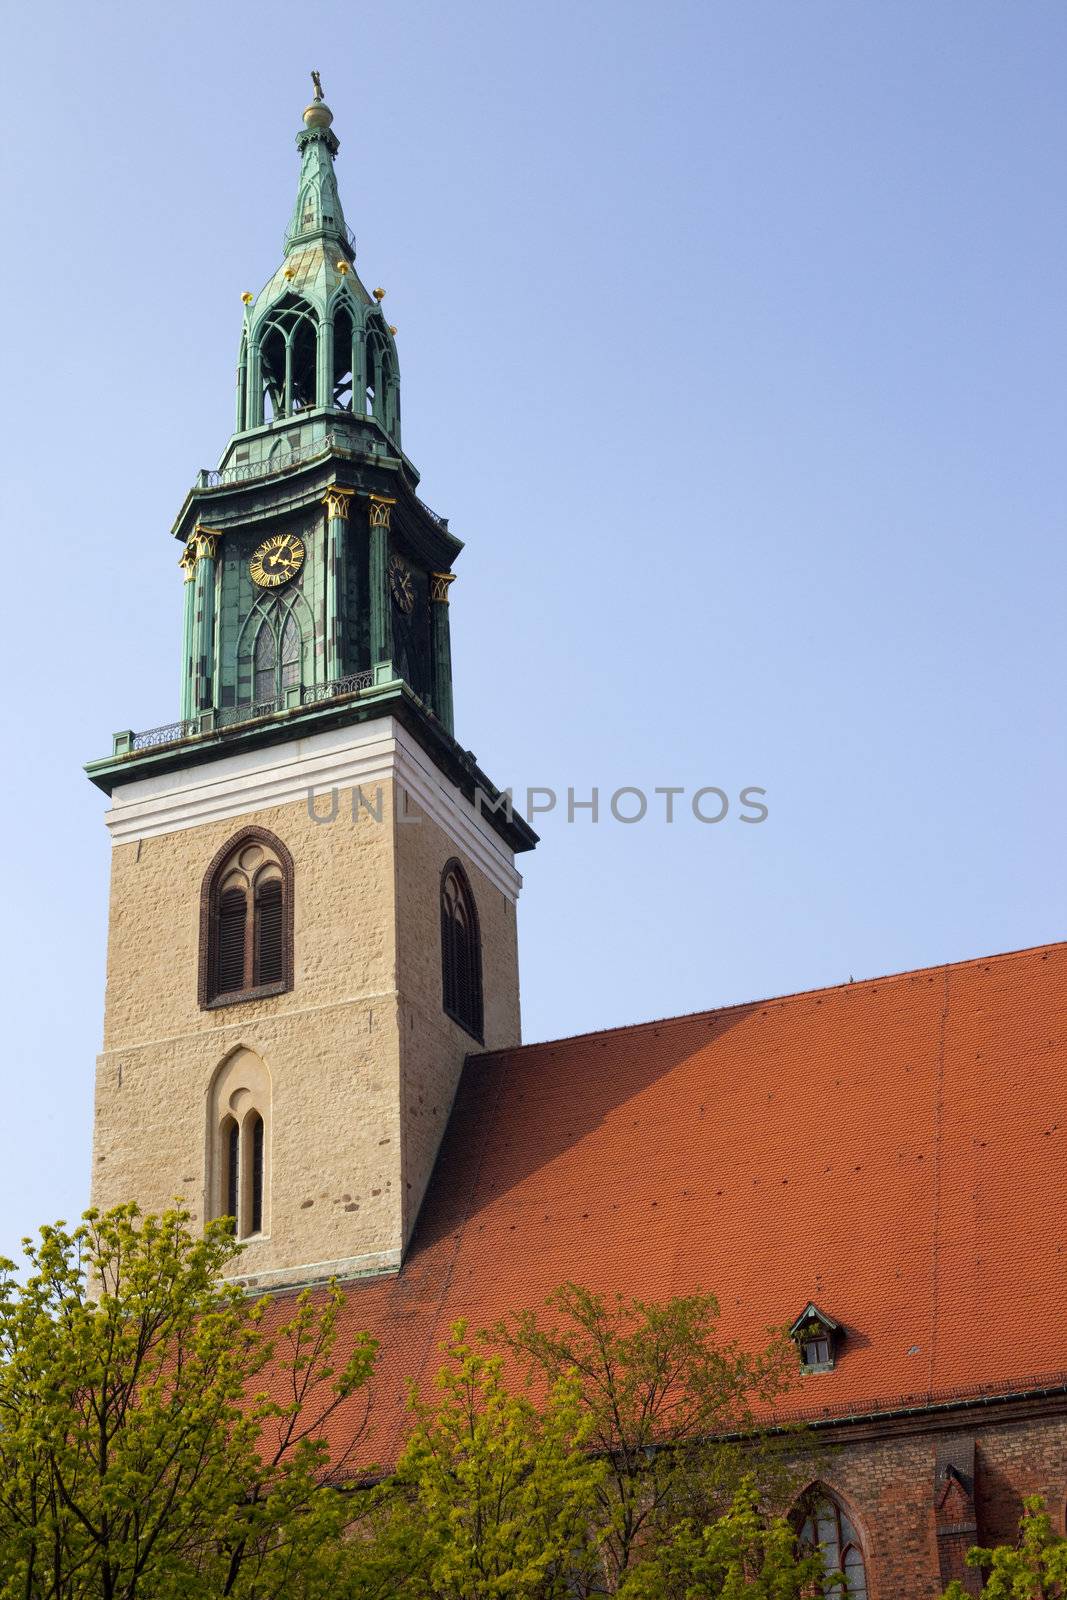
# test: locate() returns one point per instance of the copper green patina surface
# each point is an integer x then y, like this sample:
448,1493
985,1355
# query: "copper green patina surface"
316,453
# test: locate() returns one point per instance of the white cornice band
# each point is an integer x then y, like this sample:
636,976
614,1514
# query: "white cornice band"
339,758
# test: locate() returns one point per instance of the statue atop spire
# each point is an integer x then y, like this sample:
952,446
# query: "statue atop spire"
318,113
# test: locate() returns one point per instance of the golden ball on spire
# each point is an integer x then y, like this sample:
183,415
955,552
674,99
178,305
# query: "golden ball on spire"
318,113
379,295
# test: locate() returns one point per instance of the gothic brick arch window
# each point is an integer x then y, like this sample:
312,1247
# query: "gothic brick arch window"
238,1133
461,951
823,1524
246,920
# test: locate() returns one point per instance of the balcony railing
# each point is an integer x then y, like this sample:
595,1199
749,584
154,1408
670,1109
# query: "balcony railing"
284,461
226,718
281,461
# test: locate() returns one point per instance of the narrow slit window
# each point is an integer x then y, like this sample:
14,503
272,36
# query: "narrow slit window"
256,1198
231,1157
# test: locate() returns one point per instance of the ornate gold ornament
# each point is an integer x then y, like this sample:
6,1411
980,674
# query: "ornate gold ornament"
336,502
401,585
205,542
187,562
277,560
379,295
248,297
439,582
380,510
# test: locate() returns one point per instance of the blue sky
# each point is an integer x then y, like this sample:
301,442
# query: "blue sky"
733,341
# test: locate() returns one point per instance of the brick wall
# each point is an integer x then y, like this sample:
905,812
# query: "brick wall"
890,1485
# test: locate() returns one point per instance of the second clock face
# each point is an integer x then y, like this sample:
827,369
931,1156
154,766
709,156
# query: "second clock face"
401,584
277,559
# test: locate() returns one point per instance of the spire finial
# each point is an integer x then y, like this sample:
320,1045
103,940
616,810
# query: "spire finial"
318,113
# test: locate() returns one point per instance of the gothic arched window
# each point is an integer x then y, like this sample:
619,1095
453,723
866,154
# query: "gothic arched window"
277,657
382,391
824,1525
264,665
343,379
288,344
461,951
292,645
239,1113
246,920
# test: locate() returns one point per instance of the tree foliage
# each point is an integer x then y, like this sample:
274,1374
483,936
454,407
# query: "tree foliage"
162,1437
492,1496
742,1555
662,1394
1033,1569
140,1452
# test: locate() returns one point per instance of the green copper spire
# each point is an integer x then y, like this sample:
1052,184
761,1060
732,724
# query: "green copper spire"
318,213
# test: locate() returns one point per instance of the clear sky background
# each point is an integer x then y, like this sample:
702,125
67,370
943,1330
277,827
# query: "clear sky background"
733,341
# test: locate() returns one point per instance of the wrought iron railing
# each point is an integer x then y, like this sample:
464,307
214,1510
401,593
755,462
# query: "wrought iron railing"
295,456
227,717
169,733
281,461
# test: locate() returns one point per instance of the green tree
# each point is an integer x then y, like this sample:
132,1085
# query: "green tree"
1032,1569
492,1497
742,1555
662,1395
140,1452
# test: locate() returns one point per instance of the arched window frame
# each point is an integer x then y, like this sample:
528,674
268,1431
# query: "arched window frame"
208,995
461,971
289,672
849,1547
380,397
289,324
239,1136
347,362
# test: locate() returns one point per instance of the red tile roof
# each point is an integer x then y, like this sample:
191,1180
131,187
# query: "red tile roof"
894,1150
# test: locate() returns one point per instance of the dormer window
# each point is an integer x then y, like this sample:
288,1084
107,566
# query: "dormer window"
818,1339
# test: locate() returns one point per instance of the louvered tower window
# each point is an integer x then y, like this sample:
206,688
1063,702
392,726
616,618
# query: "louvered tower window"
269,965
461,953
246,921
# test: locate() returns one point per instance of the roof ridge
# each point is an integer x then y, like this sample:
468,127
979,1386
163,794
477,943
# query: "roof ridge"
486,1056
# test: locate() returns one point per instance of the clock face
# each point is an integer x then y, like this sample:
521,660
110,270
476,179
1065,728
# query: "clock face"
401,585
278,559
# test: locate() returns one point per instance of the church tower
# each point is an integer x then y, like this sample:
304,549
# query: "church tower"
313,885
